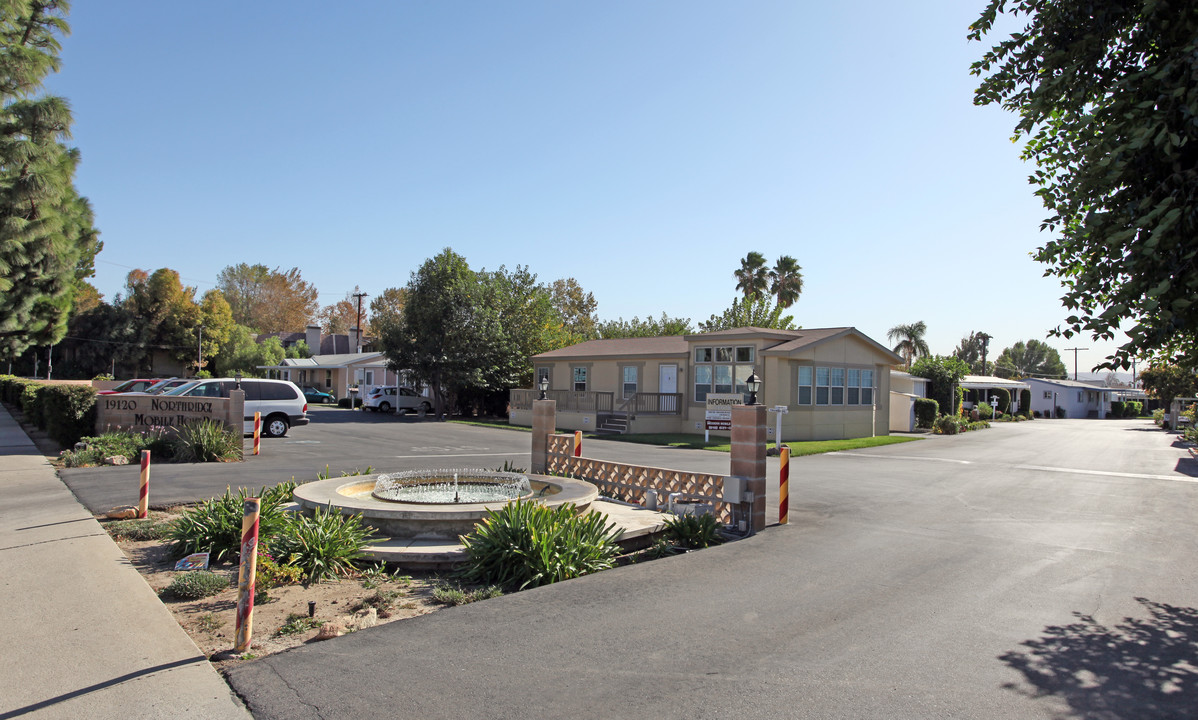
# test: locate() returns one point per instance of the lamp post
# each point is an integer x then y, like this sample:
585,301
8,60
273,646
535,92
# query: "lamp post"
754,384
544,385
238,379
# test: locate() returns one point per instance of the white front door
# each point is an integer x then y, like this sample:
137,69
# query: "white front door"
667,381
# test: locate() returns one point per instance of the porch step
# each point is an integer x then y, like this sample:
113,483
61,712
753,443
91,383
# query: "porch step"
613,425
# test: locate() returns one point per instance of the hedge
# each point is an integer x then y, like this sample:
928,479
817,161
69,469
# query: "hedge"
926,410
66,412
1118,409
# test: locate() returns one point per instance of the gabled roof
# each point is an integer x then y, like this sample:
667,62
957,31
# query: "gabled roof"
803,339
677,345
668,345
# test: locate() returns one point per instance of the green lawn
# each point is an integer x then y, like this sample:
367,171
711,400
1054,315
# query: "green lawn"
695,442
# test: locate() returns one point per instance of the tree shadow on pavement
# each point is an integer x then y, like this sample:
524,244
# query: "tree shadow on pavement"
1141,668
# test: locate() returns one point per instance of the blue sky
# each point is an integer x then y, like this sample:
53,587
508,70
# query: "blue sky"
640,148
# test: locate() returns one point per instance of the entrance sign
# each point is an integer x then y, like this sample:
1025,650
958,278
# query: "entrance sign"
719,410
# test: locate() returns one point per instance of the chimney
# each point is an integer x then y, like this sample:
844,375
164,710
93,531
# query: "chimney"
312,337
355,343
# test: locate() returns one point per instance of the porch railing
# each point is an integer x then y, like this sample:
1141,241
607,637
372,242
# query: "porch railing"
653,404
588,401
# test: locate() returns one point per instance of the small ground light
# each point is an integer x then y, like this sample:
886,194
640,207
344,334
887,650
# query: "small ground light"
311,608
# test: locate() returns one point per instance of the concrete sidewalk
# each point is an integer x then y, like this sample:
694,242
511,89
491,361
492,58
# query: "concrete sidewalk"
84,636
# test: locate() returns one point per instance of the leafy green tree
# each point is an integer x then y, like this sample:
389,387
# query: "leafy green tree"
910,342
944,372
299,349
104,339
576,308
758,311
1106,103
786,281
752,278
242,354
649,327
167,309
268,300
529,323
386,309
1167,382
47,239
972,350
1030,359
446,337
216,317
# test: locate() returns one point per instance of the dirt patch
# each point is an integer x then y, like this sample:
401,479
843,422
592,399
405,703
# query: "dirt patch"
211,622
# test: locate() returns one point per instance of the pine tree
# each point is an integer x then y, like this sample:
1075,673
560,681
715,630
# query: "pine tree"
47,239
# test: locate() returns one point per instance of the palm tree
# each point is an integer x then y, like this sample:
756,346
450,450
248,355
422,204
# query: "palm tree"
752,279
786,281
911,344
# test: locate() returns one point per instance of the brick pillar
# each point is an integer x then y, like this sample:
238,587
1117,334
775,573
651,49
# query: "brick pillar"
544,419
748,458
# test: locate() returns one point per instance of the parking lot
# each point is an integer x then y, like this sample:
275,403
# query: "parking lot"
347,440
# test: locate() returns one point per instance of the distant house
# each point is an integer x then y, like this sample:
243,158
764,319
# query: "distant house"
834,382
1077,399
320,343
980,388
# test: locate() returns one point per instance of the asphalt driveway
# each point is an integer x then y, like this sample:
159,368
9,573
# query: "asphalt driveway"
1039,570
346,440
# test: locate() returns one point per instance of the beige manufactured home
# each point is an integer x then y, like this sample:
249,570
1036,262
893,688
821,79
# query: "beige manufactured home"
833,382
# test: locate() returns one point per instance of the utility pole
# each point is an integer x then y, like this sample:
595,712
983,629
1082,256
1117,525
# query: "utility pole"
359,296
985,350
1075,351
200,350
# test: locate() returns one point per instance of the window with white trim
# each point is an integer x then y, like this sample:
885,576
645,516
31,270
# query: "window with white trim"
723,369
805,374
835,386
629,377
580,378
543,373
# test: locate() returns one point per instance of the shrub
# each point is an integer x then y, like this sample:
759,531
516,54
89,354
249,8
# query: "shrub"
1133,408
948,425
984,411
526,544
69,411
1158,416
926,410
322,546
296,624
693,531
206,441
979,425
31,404
1025,402
269,574
196,584
1060,411
86,457
1004,399
1118,409
215,525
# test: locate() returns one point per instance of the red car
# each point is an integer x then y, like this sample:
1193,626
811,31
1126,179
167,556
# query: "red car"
137,385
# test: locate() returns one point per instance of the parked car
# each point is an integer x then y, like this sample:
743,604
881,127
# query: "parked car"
280,402
313,395
162,386
389,398
136,385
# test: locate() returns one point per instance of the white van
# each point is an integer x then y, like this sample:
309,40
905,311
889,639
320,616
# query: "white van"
280,402
388,398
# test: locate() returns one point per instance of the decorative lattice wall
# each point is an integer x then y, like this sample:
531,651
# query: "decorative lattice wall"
630,482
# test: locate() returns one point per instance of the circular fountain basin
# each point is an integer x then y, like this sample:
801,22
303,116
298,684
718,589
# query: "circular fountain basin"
441,487
399,519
